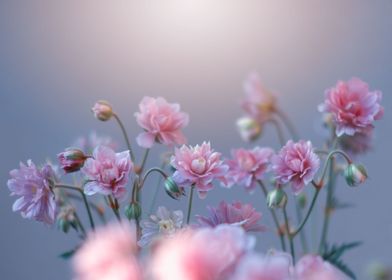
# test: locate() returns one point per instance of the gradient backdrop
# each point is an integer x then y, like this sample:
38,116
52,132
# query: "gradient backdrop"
58,57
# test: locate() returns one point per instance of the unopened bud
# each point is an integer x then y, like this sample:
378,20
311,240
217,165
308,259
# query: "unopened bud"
172,189
277,198
66,219
133,211
355,174
249,129
71,160
102,110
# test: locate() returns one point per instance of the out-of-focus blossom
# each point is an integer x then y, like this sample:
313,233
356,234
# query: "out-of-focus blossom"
107,172
249,128
162,122
264,267
33,185
359,143
88,144
259,103
354,108
312,267
198,166
236,213
108,253
164,223
71,159
102,110
66,218
248,166
296,163
203,254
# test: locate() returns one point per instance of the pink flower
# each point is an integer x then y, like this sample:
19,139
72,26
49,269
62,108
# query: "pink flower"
161,121
204,254
198,166
248,166
33,185
236,213
108,172
312,267
108,253
259,103
71,160
297,164
102,110
88,144
353,107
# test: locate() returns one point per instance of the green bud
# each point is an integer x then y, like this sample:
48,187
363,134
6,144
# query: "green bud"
172,189
133,211
277,198
102,110
355,174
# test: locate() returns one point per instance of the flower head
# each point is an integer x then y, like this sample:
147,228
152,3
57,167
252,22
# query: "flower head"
71,160
108,253
33,185
248,166
198,166
312,267
296,163
163,223
102,110
353,107
162,122
249,129
107,172
259,103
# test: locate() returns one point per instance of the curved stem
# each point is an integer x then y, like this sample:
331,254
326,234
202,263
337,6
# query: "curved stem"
279,130
290,126
154,169
155,195
124,132
328,159
289,236
188,218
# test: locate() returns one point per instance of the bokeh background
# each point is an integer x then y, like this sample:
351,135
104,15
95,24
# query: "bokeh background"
58,57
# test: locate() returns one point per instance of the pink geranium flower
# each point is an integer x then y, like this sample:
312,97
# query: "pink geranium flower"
197,166
296,163
312,267
33,185
248,166
108,253
259,103
353,107
203,254
107,172
162,122
236,213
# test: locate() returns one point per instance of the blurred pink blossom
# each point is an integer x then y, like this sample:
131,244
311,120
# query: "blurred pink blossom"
88,144
108,172
162,122
198,166
312,267
359,143
296,163
353,107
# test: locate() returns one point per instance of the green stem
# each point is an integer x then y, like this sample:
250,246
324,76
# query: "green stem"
124,132
154,169
155,195
188,218
114,206
80,224
290,126
289,235
302,233
144,160
327,161
279,130
93,206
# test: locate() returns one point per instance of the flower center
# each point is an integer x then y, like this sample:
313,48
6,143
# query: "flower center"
166,227
198,165
247,163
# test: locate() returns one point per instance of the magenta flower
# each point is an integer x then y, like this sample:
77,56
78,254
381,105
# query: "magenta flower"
204,254
353,107
259,103
108,253
108,172
236,213
248,166
71,160
198,166
33,185
296,163
161,121
311,267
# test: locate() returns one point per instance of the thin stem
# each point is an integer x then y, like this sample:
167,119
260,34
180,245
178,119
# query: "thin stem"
188,218
302,233
124,132
290,126
289,236
327,161
144,160
154,169
86,204
279,131
114,205
80,224
93,206
155,195
274,217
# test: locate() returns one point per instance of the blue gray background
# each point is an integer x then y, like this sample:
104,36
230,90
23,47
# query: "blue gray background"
58,57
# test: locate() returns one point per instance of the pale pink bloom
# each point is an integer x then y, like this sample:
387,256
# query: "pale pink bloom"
359,143
296,163
243,215
203,254
312,267
102,110
162,122
88,144
259,103
108,254
108,172
198,166
33,185
269,267
248,166
353,107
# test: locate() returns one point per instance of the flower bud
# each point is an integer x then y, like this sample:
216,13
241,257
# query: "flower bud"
277,198
172,189
71,160
355,174
102,110
133,211
66,219
248,128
